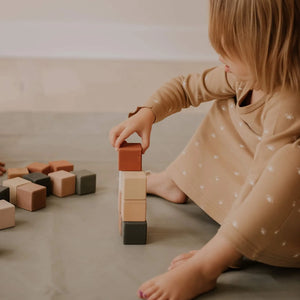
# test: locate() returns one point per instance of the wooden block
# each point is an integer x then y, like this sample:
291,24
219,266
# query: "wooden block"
31,196
134,210
39,167
130,157
41,179
16,172
134,233
61,165
4,193
134,185
13,184
7,214
85,182
63,183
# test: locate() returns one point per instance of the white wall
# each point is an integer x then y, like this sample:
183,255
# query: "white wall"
127,29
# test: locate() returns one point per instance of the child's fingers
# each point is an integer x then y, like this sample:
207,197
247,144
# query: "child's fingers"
123,136
145,142
115,133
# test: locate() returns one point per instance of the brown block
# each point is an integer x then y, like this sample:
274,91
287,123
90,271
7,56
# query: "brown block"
63,183
31,196
61,165
133,185
130,157
39,167
13,184
16,172
134,210
7,214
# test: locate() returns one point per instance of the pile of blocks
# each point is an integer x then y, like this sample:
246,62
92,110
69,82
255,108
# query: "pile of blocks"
132,195
28,187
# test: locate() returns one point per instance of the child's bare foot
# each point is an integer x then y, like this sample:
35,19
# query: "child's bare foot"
182,258
2,169
161,185
182,283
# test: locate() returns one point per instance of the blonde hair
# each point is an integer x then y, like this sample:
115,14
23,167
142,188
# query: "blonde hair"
265,34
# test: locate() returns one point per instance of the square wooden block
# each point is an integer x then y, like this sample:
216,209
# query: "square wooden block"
130,157
41,179
7,214
134,233
13,184
39,167
16,172
134,210
85,182
61,165
63,183
31,196
134,185
4,193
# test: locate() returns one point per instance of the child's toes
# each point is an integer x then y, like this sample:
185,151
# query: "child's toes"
156,295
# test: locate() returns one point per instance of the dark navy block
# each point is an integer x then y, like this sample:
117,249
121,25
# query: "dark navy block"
85,182
4,193
134,233
41,179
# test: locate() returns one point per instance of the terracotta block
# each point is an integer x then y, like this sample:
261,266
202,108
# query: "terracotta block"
16,172
39,167
61,165
41,179
85,182
130,157
4,193
134,185
63,183
7,214
31,196
13,184
134,210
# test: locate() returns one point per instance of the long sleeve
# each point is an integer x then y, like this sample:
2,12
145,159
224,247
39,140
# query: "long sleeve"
185,91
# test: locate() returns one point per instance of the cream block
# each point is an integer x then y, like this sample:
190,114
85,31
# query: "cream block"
134,210
133,185
7,214
13,184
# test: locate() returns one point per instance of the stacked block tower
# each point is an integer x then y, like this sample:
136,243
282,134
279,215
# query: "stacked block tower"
132,195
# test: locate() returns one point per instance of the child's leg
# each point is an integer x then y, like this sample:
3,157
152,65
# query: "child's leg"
2,169
197,276
161,185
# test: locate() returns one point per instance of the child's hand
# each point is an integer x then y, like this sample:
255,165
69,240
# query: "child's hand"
141,123
2,169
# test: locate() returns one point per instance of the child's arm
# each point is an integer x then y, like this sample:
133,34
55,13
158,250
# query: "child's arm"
141,123
2,169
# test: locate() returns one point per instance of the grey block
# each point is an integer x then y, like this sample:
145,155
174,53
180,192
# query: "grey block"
41,179
134,233
4,193
85,182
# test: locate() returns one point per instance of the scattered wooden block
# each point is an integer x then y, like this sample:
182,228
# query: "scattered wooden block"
63,183
85,182
39,167
130,157
41,179
134,233
7,214
31,196
13,184
4,193
61,165
133,185
16,172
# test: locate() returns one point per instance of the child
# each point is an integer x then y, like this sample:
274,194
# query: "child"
242,166
2,169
